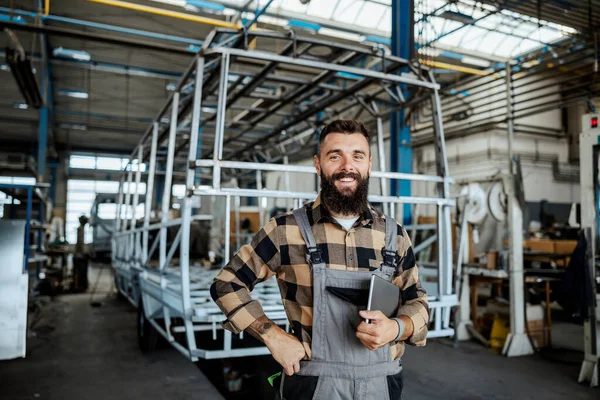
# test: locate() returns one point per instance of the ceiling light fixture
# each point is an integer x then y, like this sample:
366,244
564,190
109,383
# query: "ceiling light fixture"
78,55
77,94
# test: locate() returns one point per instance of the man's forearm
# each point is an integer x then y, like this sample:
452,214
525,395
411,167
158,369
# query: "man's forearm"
261,327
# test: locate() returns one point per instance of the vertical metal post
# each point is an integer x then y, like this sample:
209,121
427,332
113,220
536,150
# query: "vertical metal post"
149,191
136,198
166,197
127,195
286,182
184,246
227,230
238,234
517,342
400,140
28,229
119,203
45,110
220,122
381,156
261,209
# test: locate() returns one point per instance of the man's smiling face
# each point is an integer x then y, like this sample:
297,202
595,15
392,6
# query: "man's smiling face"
344,160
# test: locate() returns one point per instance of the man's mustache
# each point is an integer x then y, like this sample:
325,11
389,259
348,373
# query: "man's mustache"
342,175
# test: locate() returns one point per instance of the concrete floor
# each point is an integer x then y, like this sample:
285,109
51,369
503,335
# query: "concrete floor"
82,352
88,353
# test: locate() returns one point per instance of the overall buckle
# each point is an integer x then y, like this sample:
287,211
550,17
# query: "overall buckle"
314,256
390,258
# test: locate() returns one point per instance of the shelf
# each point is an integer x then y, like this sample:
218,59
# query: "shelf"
38,258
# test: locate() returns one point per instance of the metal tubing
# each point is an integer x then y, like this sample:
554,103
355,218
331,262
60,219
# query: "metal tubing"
312,196
187,205
119,203
166,199
94,37
149,191
324,66
227,229
128,195
311,170
136,197
165,13
381,151
220,122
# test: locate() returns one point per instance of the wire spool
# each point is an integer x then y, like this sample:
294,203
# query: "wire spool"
496,201
472,201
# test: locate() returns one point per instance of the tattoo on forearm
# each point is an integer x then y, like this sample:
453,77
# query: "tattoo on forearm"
260,327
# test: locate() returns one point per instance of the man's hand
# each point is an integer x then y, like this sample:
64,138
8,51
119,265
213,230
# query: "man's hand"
286,349
381,330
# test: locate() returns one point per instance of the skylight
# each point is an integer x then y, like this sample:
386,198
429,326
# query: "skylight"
480,28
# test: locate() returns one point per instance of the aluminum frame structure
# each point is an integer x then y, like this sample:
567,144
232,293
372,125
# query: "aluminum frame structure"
267,108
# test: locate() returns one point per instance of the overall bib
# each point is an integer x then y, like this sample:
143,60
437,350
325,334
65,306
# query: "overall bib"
342,368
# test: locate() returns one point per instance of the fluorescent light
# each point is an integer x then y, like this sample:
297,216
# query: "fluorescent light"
476,61
78,55
187,89
76,127
4,67
77,94
20,105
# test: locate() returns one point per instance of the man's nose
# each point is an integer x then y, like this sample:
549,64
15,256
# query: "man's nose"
347,164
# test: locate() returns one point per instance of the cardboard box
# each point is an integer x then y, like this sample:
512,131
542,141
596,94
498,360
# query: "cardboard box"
541,245
564,246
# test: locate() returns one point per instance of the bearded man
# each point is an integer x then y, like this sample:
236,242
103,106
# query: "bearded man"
324,255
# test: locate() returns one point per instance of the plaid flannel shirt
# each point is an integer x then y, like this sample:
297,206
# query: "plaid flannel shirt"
279,249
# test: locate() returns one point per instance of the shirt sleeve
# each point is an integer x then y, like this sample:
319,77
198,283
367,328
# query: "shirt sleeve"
414,298
254,263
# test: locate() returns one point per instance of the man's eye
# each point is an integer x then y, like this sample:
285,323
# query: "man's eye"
334,157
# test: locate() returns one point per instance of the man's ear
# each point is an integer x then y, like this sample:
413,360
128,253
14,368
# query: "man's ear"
370,163
317,165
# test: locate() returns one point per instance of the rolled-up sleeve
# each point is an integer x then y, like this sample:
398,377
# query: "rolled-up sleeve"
254,263
414,303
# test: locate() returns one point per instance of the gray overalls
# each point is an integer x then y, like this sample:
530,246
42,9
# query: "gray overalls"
341,367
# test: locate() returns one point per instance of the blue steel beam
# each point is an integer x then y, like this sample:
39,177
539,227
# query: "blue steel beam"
107,67
258,13
106,27
400,141
47,92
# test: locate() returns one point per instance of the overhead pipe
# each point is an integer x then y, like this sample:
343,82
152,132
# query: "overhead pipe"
501,85
452,67
470,106
166,13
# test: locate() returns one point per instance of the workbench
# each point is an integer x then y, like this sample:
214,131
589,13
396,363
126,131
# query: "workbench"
474,275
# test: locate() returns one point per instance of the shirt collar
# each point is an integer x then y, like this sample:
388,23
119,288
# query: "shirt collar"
320,212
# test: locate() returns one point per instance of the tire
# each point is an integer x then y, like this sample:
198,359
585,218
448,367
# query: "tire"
146,334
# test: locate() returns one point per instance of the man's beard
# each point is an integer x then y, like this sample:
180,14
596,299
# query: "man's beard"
348,201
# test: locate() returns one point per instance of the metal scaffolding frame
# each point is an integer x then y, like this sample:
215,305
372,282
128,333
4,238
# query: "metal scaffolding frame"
266,108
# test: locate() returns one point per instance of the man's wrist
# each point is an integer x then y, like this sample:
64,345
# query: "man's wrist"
401,328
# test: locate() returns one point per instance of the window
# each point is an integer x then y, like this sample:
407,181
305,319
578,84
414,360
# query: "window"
80,198
83,162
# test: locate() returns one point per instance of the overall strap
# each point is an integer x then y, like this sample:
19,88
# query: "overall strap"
390,251
314,256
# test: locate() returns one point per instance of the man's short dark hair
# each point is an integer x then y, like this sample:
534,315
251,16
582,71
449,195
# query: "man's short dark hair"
347,126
